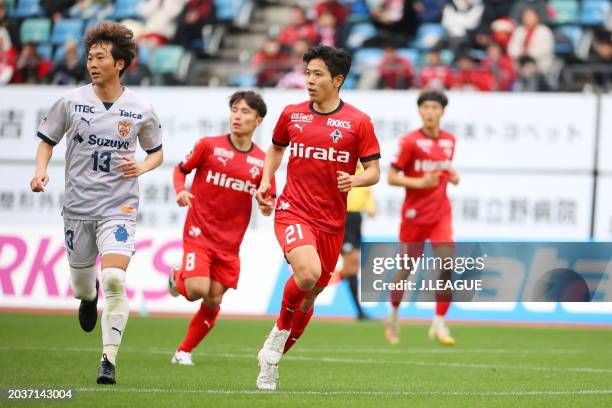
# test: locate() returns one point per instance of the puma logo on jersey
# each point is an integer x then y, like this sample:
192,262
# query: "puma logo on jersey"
337,123
86,121
118,144
223,160
301,127
222,180
318,153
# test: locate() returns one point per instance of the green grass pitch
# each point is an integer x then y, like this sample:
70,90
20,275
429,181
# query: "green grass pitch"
335,364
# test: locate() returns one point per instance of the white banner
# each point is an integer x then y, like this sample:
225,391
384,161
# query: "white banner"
603,210
494,131
34,271
501,207
605,143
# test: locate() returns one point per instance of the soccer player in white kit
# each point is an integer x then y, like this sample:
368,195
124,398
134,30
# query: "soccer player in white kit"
102,121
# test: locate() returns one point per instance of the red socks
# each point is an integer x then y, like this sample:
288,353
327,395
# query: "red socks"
203,322
443,301
396,297
292,298
299,323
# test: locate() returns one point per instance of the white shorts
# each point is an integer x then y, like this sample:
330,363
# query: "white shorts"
86,239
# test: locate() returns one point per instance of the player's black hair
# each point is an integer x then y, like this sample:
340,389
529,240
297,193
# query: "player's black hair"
121,38
253,99
433,95
338,60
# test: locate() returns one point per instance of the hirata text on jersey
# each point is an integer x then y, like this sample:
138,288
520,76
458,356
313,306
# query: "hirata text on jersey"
431,165
318,153
94,140
222,180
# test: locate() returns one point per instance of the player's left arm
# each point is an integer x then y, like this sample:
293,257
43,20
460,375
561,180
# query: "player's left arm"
453,176
367,178
150,139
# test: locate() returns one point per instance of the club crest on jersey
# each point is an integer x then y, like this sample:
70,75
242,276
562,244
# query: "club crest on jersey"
336,135
124,127
194,231
254,171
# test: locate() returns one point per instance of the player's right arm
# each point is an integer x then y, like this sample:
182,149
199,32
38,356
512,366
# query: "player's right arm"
50,131
41,178
192,161
274,157
396,175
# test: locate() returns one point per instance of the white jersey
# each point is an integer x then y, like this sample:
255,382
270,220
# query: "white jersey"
97,141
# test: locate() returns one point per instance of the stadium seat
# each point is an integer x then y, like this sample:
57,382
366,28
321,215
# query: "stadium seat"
35,30
428,35
27,8
60,51
245,80
358,11
227,10
567,39
410,54
126,9
45,51
166,59
359,33
67,30
368,57
595,12
565,11
10,6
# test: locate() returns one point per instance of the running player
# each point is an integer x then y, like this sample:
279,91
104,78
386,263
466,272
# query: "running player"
228,172
326,139
103,122
424,158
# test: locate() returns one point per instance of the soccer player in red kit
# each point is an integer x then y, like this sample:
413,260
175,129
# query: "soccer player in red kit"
228,171
424,158
326,138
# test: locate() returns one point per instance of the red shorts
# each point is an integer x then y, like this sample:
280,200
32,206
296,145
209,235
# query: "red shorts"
292,235
221,267
440,232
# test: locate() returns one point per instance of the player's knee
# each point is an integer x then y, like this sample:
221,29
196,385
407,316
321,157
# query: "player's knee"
196,291
113,280
306,275
213,301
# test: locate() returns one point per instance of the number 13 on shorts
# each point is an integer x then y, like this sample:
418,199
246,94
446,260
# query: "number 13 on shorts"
291,231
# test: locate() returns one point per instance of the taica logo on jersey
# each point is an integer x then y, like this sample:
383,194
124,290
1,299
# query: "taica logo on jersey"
318,153
344,124
95,140
128,114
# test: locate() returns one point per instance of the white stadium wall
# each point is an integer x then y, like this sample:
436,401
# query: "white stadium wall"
527,164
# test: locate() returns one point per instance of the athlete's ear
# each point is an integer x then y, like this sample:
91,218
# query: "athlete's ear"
258,121
338,81
120,64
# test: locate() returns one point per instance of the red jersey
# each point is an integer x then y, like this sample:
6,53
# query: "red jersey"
417,155
321,144
224,184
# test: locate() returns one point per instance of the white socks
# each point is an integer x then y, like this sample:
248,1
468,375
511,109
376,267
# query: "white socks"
83,281
116,311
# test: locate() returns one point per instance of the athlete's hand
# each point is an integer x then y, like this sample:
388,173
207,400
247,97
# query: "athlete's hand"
453,177
39,181
345,181
430,179
184,198
264,198
130,168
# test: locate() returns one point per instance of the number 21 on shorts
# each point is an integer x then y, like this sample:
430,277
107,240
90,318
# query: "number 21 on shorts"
290,232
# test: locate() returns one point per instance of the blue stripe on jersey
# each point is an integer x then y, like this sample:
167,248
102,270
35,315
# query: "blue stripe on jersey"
46,139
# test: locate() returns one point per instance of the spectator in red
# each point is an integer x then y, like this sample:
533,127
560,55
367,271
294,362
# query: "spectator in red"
434,74
31,67
192,19
299,29
472,76
326,30
501,66
8,57
501,32
270,63
395,71
332,6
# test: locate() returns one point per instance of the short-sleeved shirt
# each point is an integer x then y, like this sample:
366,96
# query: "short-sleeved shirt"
418,154
320,144
224,186
97,140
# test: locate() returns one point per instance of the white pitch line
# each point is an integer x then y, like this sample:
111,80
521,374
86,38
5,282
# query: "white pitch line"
335,360
351,393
